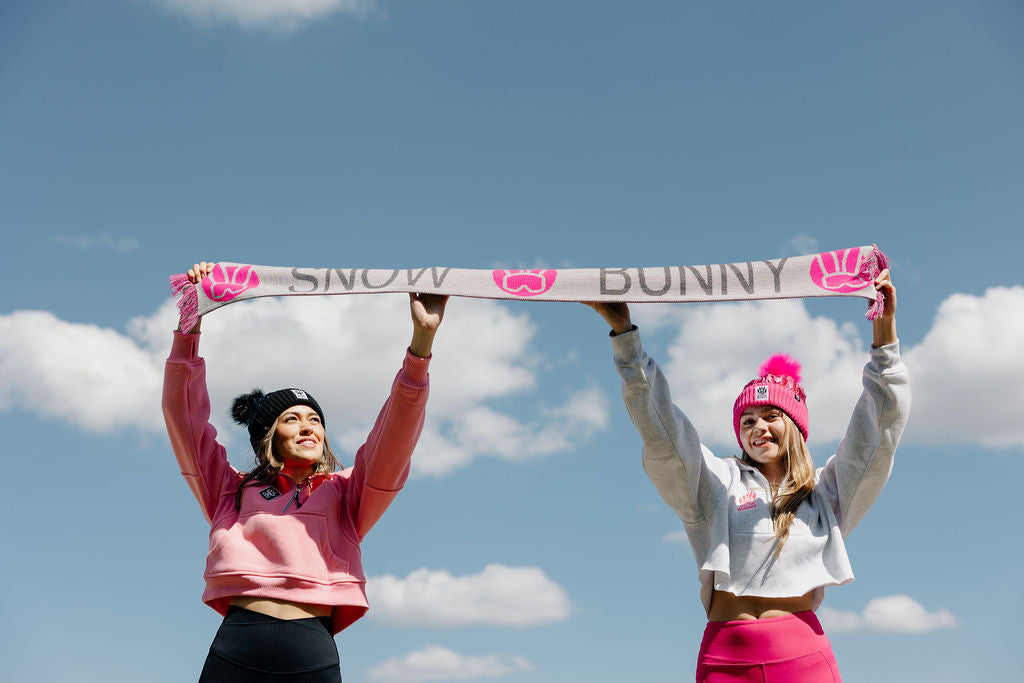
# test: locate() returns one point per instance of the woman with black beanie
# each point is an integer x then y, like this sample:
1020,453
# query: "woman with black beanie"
284,566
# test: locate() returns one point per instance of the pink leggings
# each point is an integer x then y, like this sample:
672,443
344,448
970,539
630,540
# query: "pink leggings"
789,649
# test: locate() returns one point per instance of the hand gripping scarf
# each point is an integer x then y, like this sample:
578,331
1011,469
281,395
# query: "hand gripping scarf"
846,272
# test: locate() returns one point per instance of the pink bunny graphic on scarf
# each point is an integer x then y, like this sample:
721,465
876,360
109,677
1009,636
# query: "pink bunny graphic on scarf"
224,283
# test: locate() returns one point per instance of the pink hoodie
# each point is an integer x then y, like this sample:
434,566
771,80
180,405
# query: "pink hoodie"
298,545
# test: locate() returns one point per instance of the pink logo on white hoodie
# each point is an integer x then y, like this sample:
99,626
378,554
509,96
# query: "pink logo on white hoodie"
747,501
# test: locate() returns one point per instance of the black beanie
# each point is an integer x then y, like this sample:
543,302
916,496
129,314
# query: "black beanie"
258,411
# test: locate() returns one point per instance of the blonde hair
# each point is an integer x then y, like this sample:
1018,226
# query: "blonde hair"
796,484
268,465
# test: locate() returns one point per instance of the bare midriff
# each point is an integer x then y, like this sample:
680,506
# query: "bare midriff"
729,607
281,609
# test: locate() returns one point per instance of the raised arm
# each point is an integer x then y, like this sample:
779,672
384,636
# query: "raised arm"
382,463
427,312
853,478
687,475
186,408
616,314
195,274
884,327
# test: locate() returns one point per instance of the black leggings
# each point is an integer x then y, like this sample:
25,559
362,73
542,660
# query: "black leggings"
255,648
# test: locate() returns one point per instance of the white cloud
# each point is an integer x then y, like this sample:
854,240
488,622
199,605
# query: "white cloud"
655,316
893,614
278,15
435,663
344,350
966,374
497,596
103,239
483,430
92,377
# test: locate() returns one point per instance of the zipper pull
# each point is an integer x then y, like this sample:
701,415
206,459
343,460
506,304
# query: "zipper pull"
294,497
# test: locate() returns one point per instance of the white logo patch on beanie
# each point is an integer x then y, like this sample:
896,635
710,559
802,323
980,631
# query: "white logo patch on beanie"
761,393
300,394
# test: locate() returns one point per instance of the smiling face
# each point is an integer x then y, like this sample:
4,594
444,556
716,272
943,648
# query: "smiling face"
299,440
762,434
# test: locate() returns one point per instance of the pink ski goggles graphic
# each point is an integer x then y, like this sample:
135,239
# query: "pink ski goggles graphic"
224,283
524,282
840,271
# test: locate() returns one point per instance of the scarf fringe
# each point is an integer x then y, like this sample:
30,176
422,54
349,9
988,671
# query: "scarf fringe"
188,301
869,270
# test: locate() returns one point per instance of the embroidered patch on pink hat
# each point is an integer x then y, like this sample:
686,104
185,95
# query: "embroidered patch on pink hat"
524,282
777,384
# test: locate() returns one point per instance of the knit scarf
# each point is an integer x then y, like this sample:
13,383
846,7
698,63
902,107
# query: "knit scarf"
845,272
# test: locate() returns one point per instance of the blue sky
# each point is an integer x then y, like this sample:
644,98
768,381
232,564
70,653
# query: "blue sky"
137,136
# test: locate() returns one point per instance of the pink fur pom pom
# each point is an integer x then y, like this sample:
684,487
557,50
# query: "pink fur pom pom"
781,364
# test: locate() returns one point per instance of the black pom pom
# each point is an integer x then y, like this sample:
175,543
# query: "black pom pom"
243,407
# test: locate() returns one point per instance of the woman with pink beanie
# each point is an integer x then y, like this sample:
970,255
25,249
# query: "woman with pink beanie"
767,528
284,566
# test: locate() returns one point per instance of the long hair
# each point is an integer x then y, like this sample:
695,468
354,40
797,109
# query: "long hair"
268,465
796,484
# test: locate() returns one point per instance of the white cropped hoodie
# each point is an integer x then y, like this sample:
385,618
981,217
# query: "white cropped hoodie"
724,502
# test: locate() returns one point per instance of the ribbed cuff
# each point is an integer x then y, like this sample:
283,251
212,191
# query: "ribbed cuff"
884,357
184,346
415,368
627,346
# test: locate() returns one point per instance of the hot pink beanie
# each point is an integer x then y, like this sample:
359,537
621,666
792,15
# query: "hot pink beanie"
778,385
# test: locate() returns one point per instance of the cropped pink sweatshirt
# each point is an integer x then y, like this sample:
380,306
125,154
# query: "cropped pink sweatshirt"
289,542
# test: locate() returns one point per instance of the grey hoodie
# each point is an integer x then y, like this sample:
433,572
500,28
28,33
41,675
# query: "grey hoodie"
724,503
